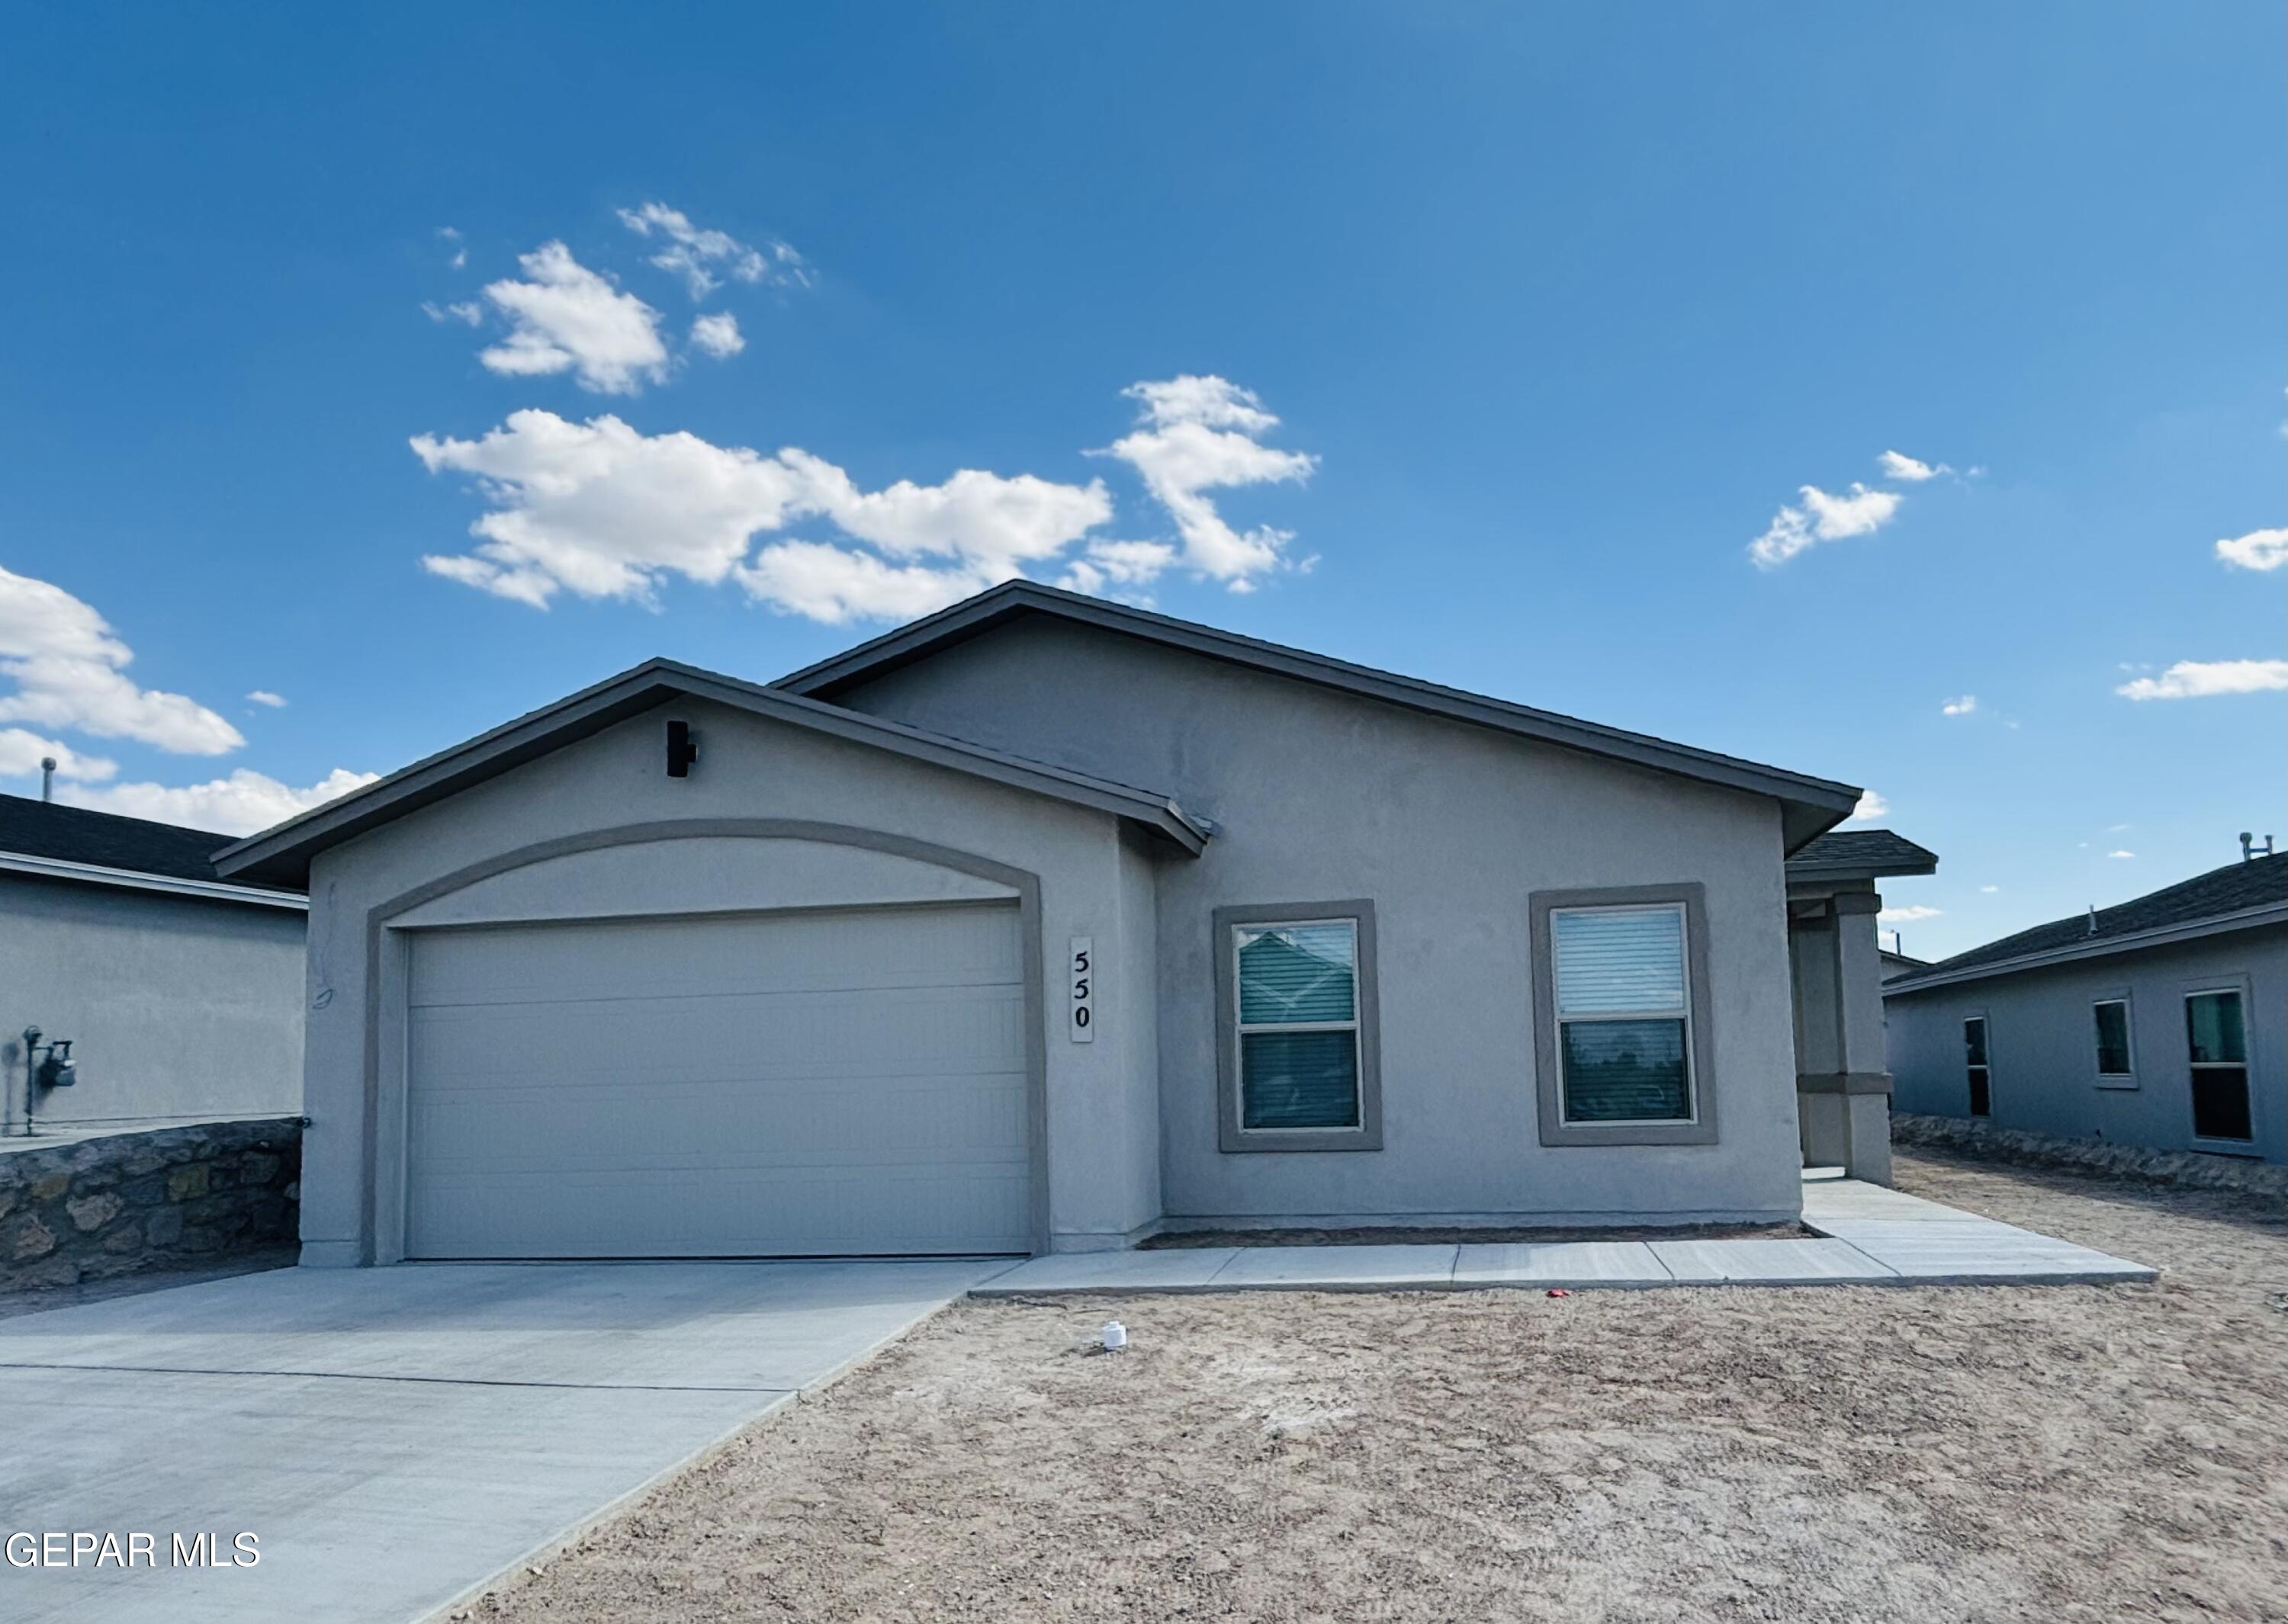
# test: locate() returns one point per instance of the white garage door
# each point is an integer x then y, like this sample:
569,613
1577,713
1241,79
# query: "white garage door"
840,1083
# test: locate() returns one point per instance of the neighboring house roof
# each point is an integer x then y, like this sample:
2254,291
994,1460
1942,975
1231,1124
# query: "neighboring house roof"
2233,897
72,843
1860,854
284,853
1811,805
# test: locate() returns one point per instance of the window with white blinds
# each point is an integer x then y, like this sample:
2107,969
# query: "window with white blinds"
1623,1010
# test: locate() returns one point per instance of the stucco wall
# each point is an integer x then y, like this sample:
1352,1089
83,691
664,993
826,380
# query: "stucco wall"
1097,1116
2041,1042
177,1008
1448,829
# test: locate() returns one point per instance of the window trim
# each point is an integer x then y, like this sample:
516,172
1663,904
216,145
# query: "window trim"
1986,1024
2238,986
1231,1137
2115,1080
1700,1045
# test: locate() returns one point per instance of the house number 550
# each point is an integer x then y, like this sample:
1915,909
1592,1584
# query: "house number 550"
1080,974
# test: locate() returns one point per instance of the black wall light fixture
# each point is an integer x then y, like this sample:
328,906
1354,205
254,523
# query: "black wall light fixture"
46,1066
682,749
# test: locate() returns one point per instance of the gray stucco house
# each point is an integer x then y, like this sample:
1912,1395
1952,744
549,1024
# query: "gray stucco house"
2161,1022
1044,923
178,992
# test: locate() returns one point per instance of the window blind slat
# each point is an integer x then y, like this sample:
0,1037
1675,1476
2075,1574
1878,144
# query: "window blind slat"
1297,973
1619,960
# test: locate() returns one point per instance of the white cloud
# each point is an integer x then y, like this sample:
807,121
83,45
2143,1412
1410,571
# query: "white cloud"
1908,915
2202,678
1199,435
264,696
1870,807
1961,705
719,335
70,671
602,511
2118,854
1822,518
1117,564
21,753
1989,889
465,311
1912,471
240,804
834,584
460,251
696,254
2258,550
565,318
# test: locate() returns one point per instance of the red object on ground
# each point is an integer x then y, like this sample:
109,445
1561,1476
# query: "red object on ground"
1558,1291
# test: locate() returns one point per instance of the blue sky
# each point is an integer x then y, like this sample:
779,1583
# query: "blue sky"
1556,309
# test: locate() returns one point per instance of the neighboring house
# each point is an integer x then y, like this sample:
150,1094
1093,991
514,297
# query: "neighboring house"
1843,1087
179,992
2162,1022
1042,924
1897,963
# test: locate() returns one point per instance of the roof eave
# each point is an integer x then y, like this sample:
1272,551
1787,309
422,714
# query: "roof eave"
280,855
2097,947
1811,805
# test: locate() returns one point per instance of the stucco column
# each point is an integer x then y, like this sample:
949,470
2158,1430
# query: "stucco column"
1843,1093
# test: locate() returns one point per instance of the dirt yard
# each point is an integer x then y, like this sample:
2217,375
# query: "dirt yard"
2059,1453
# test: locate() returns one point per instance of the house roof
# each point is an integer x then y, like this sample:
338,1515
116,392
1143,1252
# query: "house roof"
283,854
72,843
2235,897
1811,805
1860,854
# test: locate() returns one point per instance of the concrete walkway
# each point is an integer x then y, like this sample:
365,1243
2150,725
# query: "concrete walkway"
396,1436
1866,1236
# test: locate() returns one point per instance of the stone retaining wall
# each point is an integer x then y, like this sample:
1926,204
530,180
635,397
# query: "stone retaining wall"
2189,1169
166,1198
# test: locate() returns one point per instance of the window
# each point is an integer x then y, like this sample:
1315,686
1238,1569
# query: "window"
1296,1002
1621,1015
1621,1018
1981,1079
2216,1044
2112,1037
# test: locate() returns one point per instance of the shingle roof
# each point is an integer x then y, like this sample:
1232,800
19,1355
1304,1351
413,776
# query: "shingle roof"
2233,889
75,835
280,855
1808,805
1869,851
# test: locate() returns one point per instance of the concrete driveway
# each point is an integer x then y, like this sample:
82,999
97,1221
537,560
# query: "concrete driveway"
395,1437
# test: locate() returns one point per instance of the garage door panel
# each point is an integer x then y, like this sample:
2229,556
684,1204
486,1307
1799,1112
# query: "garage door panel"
810,1035
702,1127
786,1085
697,957
815,1211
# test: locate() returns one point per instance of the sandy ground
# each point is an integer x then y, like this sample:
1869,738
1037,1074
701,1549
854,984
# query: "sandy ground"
2055,1454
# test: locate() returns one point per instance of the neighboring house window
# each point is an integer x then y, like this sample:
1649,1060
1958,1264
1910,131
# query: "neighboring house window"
1981,1080
1621,1015
1296,1002
2112,1037
2216,1044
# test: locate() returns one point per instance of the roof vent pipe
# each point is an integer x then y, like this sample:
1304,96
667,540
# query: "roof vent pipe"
2248,851
48,787
2093,919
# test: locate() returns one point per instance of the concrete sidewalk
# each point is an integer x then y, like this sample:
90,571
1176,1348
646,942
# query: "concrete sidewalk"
396,1436
1866,1236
